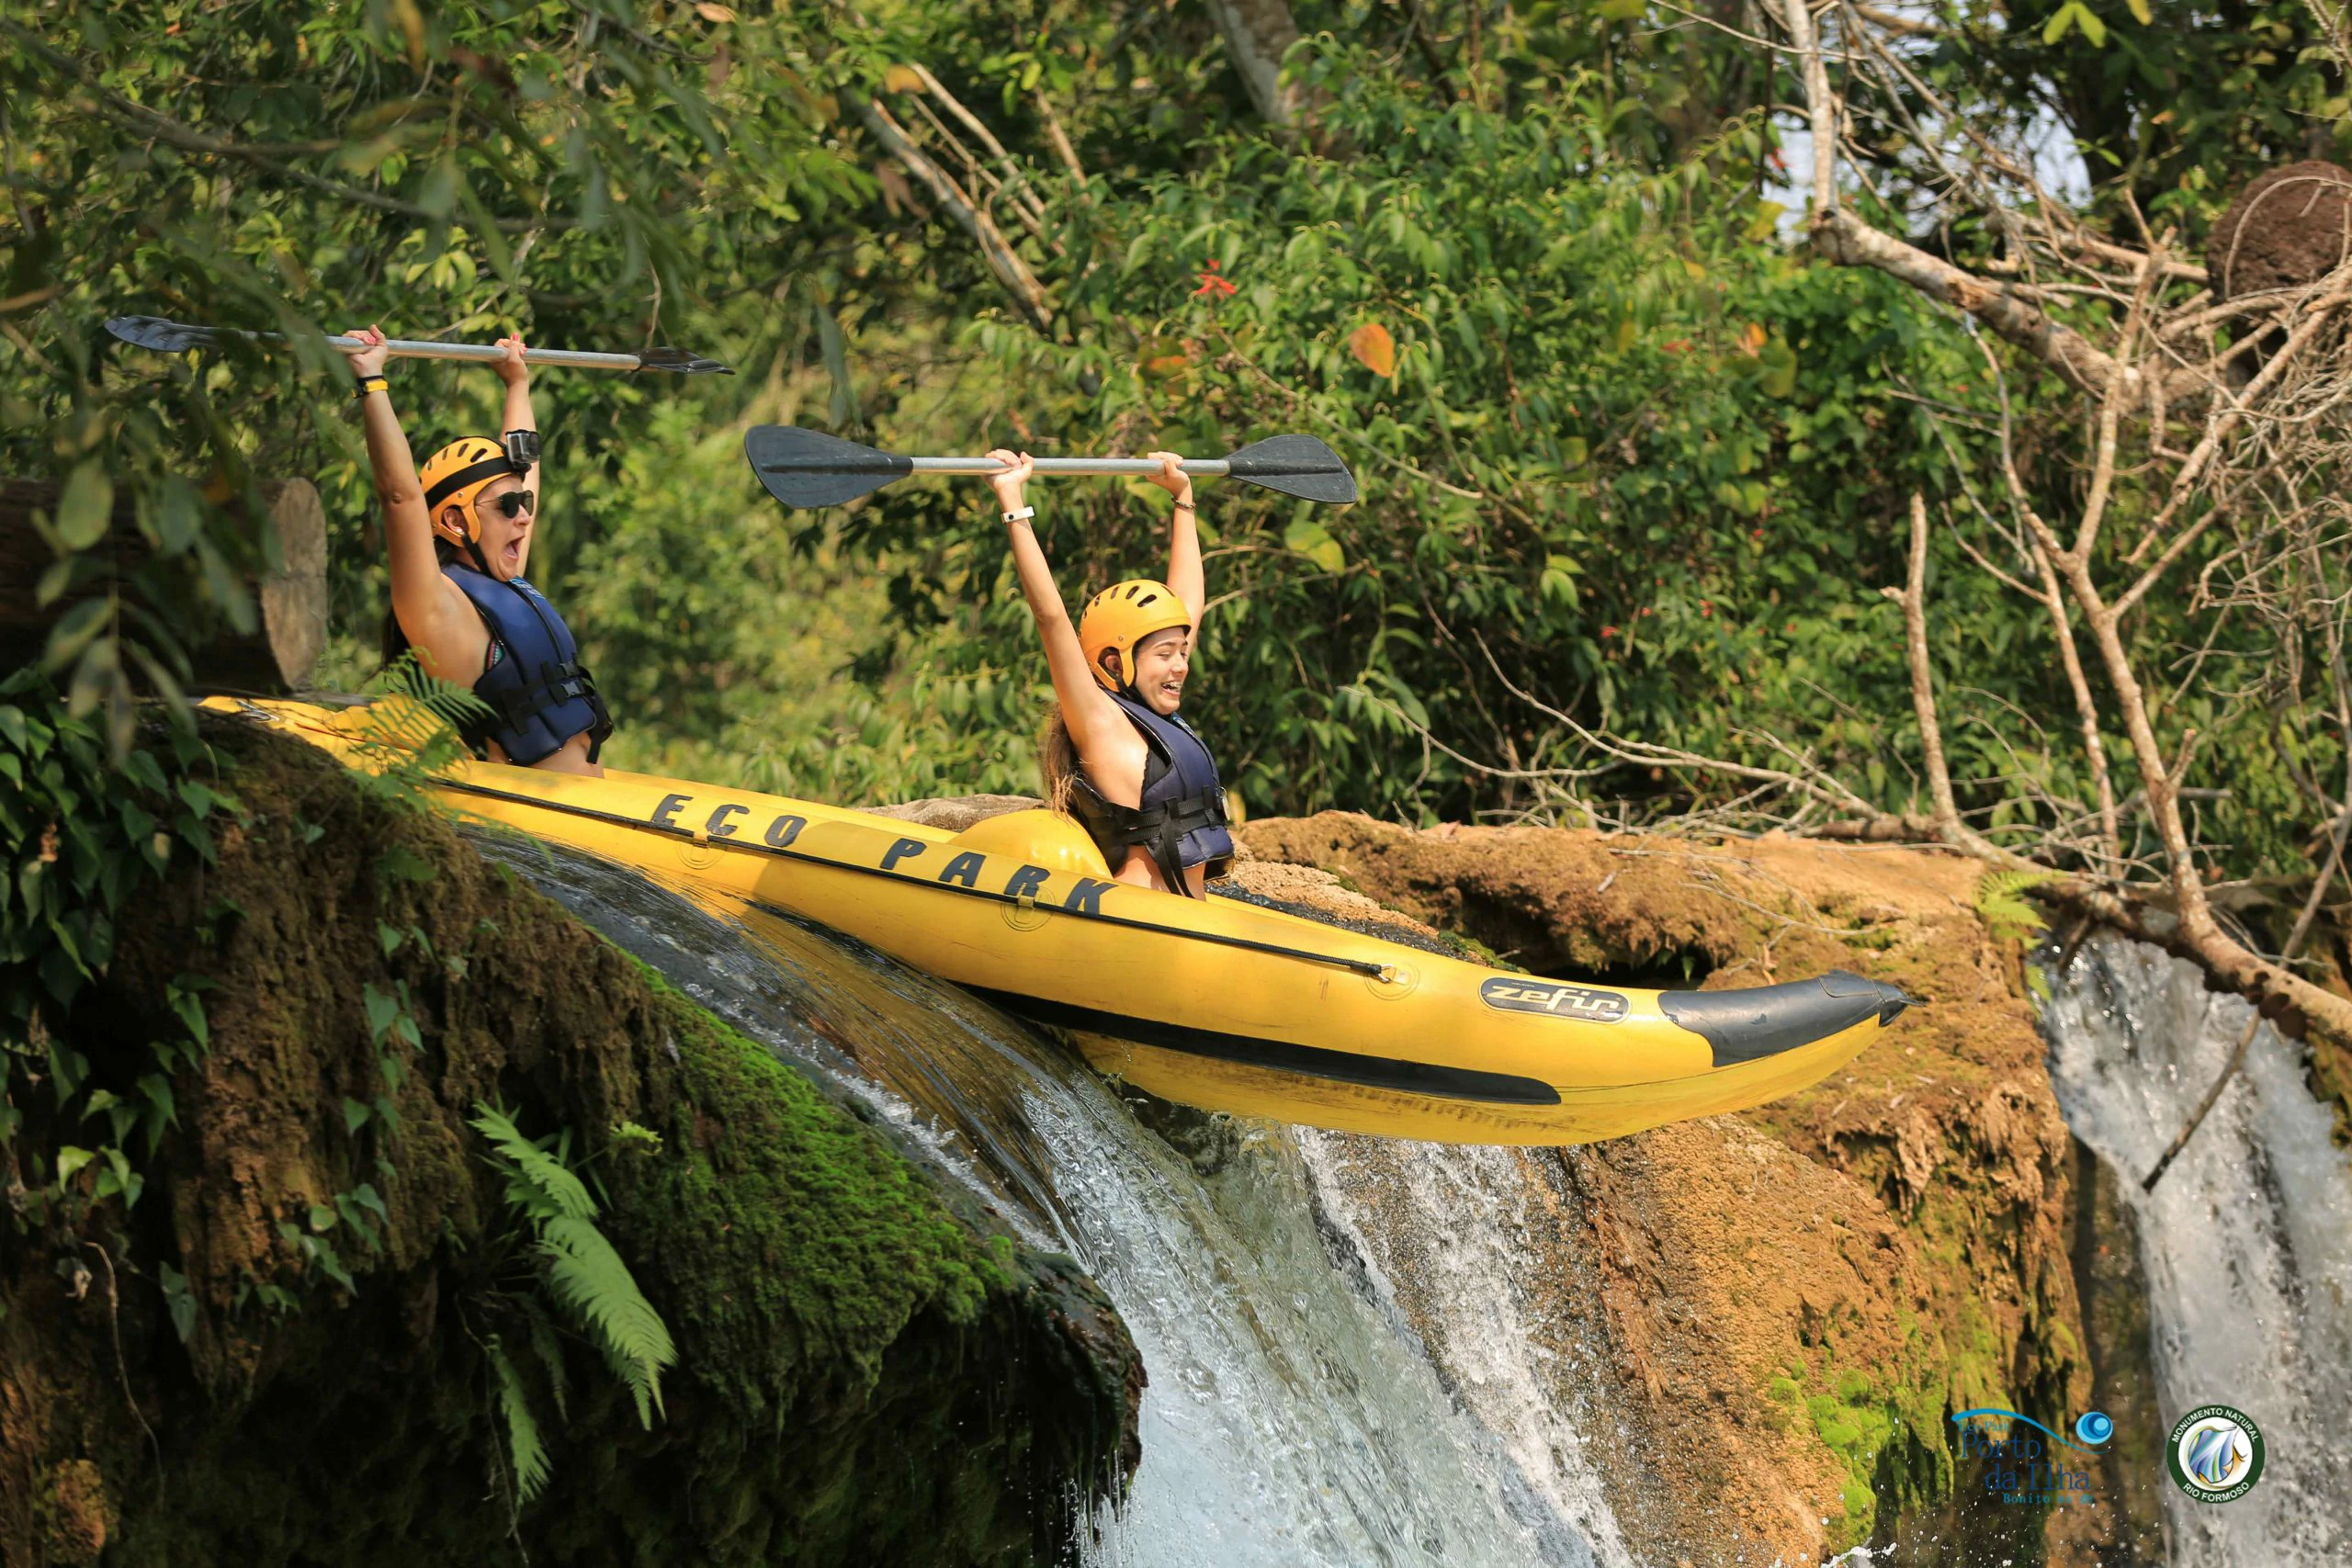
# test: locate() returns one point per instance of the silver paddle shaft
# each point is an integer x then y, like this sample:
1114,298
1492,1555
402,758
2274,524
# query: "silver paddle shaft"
487,353
1199,468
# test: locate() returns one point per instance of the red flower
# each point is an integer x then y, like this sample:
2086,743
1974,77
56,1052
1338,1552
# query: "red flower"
1213,285
1609,631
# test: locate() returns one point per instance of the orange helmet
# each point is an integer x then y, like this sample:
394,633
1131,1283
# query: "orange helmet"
458,473
1121,616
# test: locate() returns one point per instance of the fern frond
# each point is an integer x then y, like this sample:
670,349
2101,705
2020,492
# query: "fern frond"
532,1466
589,1278
536,1181
1999,902
549,1350
432,703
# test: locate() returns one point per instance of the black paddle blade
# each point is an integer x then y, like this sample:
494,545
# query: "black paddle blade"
1296,465
679,360
162,336
808,468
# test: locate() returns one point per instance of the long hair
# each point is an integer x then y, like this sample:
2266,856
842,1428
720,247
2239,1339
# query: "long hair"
1058,755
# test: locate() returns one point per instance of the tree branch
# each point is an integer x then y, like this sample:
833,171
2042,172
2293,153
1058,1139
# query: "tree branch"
1028,294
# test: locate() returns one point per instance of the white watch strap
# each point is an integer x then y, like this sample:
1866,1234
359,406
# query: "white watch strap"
1024,513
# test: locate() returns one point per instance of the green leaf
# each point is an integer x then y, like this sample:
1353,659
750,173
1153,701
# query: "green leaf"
177,1296
354,1115
85,506
70,1161
383,1010
73,631
400,863
2094,27
1312,540
2141,13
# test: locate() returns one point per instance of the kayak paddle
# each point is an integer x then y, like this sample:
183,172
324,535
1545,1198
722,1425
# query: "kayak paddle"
808,468
179,337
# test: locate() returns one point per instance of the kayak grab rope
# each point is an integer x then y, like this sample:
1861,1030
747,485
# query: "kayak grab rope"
1363,966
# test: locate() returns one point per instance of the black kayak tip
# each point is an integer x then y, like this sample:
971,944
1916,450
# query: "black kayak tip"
1764,1020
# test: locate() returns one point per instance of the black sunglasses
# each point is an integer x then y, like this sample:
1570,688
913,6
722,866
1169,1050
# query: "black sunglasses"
514,503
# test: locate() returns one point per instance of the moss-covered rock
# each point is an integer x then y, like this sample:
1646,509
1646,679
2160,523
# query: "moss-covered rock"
869,1367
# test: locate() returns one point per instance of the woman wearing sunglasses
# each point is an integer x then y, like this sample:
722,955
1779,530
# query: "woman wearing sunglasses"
461,538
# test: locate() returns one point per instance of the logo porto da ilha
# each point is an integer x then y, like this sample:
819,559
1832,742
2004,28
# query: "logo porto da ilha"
2215,1453
2026,1462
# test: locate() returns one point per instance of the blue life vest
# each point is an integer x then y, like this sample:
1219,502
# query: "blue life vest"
539,695
1181,822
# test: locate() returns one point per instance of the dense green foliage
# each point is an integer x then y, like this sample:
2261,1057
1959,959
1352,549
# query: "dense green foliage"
1636,461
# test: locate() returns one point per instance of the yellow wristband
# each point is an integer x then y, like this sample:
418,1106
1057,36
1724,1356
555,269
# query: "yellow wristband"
371,384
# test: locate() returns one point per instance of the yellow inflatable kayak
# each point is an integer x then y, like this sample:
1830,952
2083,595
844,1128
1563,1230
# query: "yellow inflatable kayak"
1217,1004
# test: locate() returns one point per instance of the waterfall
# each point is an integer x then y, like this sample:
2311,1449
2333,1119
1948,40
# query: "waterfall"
1292,1418
2246,1243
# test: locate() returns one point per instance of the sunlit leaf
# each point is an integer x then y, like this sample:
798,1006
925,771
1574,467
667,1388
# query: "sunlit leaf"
1373,348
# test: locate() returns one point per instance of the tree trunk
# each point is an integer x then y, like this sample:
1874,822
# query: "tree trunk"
1258,33
277,657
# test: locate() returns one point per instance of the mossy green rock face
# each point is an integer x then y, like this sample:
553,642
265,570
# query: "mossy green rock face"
869,1369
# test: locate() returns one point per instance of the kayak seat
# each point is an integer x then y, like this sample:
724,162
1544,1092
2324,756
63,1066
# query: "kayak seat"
1037,837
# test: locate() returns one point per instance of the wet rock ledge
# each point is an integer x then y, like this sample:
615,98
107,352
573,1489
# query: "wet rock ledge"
230,1370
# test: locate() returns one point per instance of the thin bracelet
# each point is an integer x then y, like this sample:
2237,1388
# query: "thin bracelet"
1188,506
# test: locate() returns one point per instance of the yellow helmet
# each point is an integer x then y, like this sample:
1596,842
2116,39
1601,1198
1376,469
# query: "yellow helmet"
1121,616
458,473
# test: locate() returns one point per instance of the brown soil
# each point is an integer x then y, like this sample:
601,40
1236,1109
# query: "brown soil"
1787,1304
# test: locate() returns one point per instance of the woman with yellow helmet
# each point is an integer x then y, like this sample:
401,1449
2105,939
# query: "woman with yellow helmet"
1117,754
461,538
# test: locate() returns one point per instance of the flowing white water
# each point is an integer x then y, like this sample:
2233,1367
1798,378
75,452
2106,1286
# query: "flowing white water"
2246,1243
1290,1419
1474,1219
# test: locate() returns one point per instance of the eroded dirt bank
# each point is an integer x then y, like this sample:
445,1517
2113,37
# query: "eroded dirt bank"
260,1363
1783,1307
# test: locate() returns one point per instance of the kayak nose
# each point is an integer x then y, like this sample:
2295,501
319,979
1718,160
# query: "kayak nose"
1764,1020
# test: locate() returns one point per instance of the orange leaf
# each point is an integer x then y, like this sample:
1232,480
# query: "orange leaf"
714,13
902,79
1373,348
1752,340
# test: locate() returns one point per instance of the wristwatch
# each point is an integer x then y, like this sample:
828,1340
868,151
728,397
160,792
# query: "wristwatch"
1020,515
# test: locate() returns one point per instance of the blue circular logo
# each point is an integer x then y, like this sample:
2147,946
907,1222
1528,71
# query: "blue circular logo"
2094,1426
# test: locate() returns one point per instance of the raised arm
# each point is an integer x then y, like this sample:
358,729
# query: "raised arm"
1088,712
1184,573
516,373
419,598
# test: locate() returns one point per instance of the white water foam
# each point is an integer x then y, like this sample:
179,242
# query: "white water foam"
1470,1213
1286,1423
2246,1243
